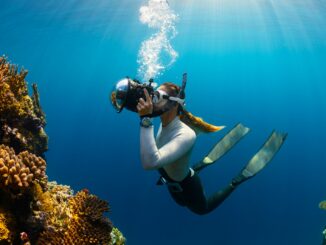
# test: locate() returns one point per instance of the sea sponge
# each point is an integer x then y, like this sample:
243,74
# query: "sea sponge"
87,224
17,172
22,120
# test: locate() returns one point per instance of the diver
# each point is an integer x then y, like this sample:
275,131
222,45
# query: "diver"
170,151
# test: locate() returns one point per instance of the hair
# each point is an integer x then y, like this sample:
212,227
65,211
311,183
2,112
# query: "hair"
196,123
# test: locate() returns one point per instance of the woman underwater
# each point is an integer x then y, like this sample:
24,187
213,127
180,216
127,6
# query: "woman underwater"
170,152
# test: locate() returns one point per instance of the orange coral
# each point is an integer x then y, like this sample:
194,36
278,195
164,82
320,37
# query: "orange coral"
87,224
19,171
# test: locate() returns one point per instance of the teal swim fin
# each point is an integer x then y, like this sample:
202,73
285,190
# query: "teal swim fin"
262,157
223,146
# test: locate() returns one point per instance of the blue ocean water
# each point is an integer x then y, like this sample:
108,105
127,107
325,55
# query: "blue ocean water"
259,62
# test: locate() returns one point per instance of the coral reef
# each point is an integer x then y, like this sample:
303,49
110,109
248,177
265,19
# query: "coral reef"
22,120
32,209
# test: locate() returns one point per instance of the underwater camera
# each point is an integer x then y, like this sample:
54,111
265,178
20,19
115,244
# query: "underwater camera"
127,92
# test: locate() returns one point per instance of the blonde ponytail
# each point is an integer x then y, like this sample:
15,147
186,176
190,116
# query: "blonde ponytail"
197,123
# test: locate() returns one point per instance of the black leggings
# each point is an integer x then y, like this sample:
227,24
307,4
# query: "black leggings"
193,195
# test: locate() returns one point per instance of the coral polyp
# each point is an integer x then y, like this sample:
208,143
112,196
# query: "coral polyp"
20,171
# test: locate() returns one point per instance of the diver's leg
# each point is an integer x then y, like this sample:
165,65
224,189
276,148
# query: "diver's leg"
178,197
194,195
223,146
219,197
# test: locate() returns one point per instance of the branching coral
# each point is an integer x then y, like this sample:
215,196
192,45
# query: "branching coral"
87,224
17,172
22,120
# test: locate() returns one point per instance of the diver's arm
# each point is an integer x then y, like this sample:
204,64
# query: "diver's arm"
154,158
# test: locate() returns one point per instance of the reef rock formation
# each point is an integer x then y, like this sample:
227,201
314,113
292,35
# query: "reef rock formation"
32,209
22,120
322,205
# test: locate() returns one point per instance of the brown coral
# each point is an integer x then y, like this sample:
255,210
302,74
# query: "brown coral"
87,224
22,120
19,171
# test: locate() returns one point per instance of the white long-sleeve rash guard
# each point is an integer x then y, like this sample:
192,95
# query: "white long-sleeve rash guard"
171,149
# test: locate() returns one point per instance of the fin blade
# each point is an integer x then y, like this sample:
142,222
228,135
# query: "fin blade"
223,146
226,143
265,154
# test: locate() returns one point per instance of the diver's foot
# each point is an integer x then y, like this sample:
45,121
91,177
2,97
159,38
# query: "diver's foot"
238,180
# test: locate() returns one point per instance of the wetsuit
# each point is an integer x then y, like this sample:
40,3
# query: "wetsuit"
170,153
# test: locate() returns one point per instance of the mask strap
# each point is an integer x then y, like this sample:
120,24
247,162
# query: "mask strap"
176,99
171,98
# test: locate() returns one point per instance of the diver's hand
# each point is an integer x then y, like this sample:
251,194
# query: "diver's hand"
145,107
